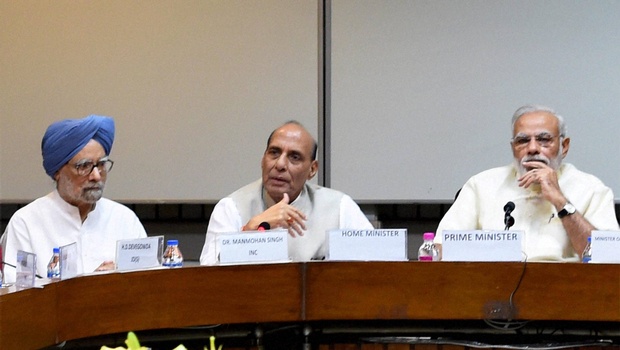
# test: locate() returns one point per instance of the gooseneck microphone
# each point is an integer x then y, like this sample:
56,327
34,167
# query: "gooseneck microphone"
264,226
13,266
508,219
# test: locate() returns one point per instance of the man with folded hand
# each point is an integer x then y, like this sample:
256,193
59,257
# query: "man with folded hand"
76,156
556,205
283,198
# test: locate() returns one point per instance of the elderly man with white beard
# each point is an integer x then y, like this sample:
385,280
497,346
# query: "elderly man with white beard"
76,156
556,205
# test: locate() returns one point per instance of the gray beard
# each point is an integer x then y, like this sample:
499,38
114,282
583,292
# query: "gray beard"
554,162
85,196
92,196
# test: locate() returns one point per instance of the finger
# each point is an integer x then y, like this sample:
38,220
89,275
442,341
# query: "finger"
532,174
297,218
285,198
526,175
291,232
297,229
526,180
533,163
300,232
295,213
106,265
302,224
301,215
292,228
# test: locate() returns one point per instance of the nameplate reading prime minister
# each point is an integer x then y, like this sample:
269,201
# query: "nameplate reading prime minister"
481,245
252,246
367,245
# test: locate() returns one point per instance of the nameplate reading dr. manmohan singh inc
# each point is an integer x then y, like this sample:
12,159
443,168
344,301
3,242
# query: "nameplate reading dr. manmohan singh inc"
252,246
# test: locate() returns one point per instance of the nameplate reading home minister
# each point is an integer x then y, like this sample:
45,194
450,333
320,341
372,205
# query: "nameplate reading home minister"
481,245
252,246
367,245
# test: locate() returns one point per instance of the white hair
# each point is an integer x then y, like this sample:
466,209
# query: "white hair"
538,108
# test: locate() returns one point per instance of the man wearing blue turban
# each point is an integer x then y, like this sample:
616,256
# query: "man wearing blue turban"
76,156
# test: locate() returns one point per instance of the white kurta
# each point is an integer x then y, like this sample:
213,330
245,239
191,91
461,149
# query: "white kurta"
480,206
50,222
324,208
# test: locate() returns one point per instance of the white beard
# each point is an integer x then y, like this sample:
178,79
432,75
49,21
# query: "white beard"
554,162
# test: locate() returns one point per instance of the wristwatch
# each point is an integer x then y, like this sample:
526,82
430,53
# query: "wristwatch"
568,209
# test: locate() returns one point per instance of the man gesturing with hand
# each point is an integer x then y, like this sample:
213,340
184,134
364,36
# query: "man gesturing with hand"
283,198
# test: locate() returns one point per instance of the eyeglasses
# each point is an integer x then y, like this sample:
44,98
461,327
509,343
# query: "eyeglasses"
543,139
84,168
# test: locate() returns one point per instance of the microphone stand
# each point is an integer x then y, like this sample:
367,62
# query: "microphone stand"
13,266
509,221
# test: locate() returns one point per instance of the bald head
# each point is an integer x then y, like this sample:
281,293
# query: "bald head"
294,122
289,161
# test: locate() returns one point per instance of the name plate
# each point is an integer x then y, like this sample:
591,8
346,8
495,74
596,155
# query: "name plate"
605,247
68,261
252,246
141,253
478,245
367,245
26,270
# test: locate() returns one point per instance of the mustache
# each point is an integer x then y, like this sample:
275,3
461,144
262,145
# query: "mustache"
97,186
536,158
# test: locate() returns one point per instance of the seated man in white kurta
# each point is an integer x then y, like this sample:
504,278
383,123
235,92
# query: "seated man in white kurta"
283,198
556,205
76,156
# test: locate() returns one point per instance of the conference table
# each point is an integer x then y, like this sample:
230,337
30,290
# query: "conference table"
316,293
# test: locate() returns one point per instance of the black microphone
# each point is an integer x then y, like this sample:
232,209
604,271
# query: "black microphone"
508,219
509,207
264,226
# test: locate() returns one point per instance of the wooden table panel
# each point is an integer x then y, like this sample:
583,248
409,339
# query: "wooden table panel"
169,298
28,318
110,303
453,291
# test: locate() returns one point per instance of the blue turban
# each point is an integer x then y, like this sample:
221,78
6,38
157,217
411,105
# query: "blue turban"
65,138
